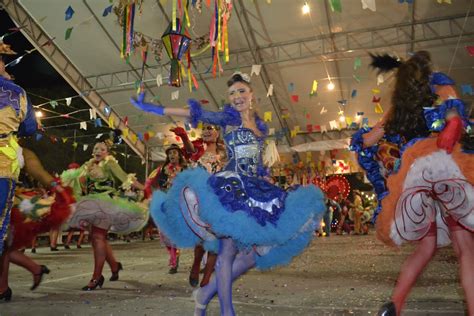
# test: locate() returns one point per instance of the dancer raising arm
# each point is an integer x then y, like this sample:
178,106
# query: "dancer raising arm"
104,208
429,194
236,212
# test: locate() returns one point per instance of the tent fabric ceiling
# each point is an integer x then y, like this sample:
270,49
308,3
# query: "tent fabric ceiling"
293,49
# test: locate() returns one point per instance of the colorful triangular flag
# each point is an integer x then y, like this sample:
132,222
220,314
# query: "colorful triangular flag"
357,63
69,13
378,108
256,70
107,11
92,114
175,95
159,80
335,5
68,33
380,79
368,4
270,90
314,88
267,116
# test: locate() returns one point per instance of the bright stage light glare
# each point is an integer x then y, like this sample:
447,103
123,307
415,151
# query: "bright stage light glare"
305,8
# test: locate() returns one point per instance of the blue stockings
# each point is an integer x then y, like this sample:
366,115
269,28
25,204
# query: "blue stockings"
230,265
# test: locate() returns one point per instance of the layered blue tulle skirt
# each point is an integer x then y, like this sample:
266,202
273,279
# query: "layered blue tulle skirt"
199,208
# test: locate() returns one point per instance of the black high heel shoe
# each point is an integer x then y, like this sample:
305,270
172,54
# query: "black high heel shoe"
37,282
97,283
54,248
173,270
387,309
7,295
115,275
193,281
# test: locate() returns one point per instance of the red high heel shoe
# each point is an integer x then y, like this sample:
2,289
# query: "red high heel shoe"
96,283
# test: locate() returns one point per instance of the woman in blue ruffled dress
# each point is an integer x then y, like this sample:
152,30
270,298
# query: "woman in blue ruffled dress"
236,211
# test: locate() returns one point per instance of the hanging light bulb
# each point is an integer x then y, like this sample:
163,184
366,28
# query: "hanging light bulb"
38,114
305,8
107,110
331,86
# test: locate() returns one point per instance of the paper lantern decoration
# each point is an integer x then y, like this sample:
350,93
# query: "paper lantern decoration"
341,166
336,185
319,183
176,44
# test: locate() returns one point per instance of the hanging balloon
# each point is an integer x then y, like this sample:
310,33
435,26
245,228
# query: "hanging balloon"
176,44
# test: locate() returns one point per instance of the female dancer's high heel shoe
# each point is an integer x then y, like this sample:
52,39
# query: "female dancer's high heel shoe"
7,295
115,275
38,277
387,309
199,309
96,283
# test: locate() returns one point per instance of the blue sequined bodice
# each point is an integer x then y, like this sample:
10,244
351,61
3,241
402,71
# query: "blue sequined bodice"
244,151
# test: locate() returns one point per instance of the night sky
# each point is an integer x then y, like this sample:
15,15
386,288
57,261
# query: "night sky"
42,83
33,71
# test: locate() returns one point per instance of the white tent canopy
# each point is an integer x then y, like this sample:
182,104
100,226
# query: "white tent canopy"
293,50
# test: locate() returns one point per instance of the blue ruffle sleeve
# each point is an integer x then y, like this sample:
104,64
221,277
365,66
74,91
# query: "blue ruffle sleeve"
228,116
29,125
10,94
367,161
441,79
262,127
435,116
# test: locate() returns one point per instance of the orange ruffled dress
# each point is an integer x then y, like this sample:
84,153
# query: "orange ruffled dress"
433,191
431,186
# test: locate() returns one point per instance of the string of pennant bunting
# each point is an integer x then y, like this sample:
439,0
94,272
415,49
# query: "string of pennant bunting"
344,122
73,141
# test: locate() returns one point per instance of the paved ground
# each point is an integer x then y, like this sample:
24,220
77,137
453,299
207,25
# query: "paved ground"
339,275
